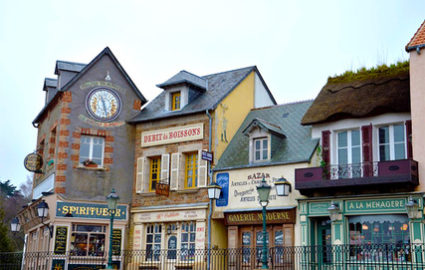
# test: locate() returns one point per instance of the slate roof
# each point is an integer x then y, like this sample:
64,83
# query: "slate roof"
68,66
296,147
264,124
361,98
219,86
71,66
49,82
185,77
418,39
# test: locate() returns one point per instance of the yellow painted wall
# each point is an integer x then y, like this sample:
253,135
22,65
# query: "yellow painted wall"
230,114
218,234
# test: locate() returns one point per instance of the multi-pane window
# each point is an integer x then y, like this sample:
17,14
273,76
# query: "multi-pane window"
87,240
392,142
153,242
175,101
191,168
91,150
259,242
155,172
349,152
260,149
187,243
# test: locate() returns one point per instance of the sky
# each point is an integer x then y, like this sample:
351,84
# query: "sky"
296,46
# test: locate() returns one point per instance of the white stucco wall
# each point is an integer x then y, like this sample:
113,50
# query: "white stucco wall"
261,96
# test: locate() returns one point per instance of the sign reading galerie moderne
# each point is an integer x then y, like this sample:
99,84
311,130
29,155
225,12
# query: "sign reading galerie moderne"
173,135
272,217
88,210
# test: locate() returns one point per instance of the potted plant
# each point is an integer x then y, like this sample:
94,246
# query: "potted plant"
90,163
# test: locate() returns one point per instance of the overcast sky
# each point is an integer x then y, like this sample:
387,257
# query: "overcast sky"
295,44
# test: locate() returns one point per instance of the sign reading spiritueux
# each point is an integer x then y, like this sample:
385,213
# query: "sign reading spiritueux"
88,210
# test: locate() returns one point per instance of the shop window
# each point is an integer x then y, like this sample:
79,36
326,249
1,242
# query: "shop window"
246,247
191,170
379,238
261,149
188,235
153,242
175,101
349,153
392,142
155,172
87,240
259,242
91,150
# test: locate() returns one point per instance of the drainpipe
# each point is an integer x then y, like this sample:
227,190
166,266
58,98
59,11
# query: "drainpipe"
210,203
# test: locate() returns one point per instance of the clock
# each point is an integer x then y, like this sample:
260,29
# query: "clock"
103,104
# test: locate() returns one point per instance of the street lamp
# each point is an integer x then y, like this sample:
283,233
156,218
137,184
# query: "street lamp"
15,226
112,200
263,192
283,187
334,211
213,194
43,212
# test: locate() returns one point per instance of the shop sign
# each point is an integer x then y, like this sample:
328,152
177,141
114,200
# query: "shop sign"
162,189
169,216
58,264
33,162
86,266
88,210
116,242
256,217
60,240
376,205
172,135
223,181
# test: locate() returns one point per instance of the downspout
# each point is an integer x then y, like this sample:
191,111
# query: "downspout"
211,180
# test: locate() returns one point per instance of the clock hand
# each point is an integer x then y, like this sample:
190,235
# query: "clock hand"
104,106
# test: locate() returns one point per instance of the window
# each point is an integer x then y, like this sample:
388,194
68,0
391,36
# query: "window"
153,242
87,240
91,150
155,172
188,235
261,149
392,143
191,168
175,101
349,153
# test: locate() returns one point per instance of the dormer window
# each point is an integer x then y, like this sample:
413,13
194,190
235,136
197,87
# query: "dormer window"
175,101
261,149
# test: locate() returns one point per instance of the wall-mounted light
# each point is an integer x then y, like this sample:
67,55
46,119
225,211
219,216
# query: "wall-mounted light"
334,211
43,212
412,207
214,191
15,226
283,187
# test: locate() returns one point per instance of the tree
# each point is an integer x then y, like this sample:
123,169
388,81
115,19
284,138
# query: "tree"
5,244
7,189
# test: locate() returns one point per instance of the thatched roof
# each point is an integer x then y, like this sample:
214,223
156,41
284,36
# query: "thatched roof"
361,96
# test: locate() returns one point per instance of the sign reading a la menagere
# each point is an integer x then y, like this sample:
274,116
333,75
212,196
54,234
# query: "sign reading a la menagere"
172,135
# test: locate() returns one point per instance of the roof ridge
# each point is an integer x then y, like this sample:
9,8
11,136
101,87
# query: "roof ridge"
69,62
366,84
408,48
233,70
267,122
188,72
283,104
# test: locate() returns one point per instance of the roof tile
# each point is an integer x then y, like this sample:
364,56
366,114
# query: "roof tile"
417,39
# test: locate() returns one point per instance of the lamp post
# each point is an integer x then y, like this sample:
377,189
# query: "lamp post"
213,194
112,200
263,192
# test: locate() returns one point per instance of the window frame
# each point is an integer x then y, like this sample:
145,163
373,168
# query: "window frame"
174,102
75,231
194,168
91,146
152,161
261,150
153,229
391,143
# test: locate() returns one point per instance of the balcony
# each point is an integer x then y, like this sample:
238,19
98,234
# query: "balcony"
401,173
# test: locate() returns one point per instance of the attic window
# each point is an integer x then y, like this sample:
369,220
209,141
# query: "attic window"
175,101
261,149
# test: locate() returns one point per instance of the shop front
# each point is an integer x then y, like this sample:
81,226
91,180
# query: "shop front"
75,235
363,228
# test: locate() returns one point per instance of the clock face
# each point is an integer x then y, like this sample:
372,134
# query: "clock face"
103,104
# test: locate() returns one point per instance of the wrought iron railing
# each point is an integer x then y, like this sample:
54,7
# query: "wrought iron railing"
355,170
347,257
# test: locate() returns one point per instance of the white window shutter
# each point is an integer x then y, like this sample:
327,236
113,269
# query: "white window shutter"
174,171
165,170
202,170
139,174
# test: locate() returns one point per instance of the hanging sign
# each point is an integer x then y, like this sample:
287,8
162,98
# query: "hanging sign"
162,189
208,156
33,162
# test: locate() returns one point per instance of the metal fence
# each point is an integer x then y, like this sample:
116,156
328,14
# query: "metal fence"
347,257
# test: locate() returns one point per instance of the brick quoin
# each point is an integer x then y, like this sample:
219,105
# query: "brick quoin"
67,96
76,135
137,104
51,150
75,158
65,121
109,138
64,132
109,149
61,167
63,144
107,160
85,131
66,110
75,146
60,178
60,190
62,155
101,133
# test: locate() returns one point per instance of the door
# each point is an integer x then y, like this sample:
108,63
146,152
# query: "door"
324,241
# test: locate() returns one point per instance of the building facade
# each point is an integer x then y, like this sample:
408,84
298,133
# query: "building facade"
270,144
87,150
193,114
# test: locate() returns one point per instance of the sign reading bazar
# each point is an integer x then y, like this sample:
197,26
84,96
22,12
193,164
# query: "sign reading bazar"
88,210
173,135
256,217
